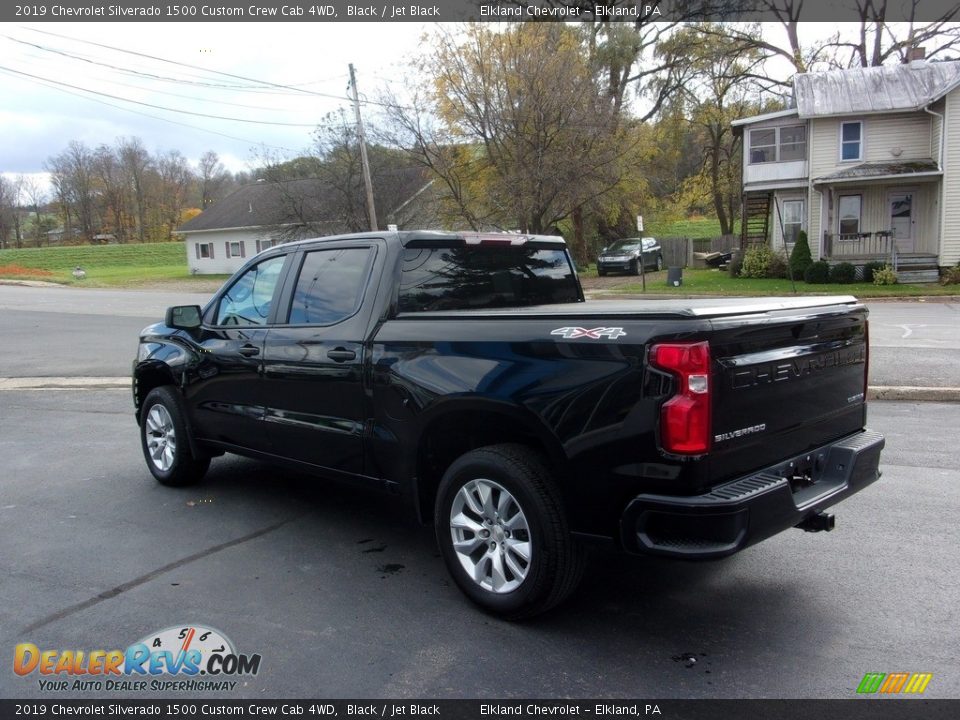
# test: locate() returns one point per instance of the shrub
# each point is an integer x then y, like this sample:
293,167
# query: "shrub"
756,261
817,273
800,258
950,276
870,268
777,267
843,273
884,276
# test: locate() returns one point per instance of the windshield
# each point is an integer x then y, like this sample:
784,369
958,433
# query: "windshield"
624,245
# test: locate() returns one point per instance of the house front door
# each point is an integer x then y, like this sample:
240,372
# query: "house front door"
902,220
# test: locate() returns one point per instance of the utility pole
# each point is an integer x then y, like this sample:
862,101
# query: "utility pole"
367,182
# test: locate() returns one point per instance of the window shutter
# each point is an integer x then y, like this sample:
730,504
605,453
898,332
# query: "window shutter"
227,243
243,253
211,250
197,249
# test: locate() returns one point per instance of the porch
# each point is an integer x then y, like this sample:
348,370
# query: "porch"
883,212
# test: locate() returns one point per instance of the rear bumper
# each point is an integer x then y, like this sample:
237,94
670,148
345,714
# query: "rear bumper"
743,512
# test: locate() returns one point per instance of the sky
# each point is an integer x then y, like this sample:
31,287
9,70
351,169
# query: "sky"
175,72
40,115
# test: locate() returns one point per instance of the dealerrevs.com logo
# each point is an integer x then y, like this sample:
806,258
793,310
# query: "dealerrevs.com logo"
188,658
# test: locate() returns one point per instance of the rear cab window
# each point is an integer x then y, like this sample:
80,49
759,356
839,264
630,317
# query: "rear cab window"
463,277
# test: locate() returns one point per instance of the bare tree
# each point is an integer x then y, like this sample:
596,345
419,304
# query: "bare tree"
72,175
33,192
9,208
174,178
878,42
212,177
136,164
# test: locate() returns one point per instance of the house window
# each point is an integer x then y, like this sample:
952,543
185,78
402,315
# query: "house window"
793,143
763,146
204,251
235,248
851,140
265,244
792,220
848,212
779,144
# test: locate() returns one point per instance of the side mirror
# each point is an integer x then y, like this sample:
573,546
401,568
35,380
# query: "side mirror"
183,317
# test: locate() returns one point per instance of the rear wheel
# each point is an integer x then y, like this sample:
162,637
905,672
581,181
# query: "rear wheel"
503,533
163,437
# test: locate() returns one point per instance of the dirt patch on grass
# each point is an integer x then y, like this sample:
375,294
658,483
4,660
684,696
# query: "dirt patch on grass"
13,270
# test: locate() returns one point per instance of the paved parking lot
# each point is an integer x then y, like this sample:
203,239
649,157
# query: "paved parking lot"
344,595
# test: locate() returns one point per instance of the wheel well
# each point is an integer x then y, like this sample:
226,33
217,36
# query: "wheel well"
147,378
450,436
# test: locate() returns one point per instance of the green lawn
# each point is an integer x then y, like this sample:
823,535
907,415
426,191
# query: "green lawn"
718,283
692,227
105,265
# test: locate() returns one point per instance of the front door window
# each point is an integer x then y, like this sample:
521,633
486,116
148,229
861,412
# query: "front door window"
901,220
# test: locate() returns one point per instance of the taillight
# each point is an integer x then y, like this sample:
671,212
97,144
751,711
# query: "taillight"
685,418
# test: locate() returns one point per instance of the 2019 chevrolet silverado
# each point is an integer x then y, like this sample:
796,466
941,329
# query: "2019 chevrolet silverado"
466,374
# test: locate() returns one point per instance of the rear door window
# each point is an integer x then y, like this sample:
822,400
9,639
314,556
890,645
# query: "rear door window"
330,285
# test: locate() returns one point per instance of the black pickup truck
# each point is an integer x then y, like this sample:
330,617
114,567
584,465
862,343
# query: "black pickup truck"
466,374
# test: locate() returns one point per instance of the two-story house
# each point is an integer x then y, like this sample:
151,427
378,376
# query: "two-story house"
867,163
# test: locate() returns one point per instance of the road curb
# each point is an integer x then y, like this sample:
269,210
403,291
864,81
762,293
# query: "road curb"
913,393
904,393
41,383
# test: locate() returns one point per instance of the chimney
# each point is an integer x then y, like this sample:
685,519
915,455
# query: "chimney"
916,53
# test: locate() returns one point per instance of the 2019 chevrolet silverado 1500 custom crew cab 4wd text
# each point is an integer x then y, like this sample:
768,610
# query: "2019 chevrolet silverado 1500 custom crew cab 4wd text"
465,373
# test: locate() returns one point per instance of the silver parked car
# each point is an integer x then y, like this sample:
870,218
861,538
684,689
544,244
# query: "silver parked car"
628,254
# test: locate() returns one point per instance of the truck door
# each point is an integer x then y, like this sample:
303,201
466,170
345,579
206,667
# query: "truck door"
226,401
316,408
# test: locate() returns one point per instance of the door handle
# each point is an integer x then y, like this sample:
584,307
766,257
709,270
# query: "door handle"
341,354
249,350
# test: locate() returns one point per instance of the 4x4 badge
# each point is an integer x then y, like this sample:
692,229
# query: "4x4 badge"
572,333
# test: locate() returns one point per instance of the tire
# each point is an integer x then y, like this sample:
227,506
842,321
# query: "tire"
165,441
659,263
635,267
601,273
484,543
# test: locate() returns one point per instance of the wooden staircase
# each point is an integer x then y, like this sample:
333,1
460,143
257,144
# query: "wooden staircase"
756,219
915,268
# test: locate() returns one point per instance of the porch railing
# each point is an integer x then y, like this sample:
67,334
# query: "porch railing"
862,244
879,244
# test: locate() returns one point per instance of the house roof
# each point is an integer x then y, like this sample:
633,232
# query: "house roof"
766,116
264,204
882,170
887,88
289,202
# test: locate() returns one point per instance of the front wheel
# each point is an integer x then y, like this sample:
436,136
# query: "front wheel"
503,533
163,437
659,263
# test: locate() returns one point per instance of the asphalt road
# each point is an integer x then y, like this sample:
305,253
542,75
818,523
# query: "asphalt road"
88,332
344,595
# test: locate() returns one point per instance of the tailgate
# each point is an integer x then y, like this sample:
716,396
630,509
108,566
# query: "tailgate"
785,382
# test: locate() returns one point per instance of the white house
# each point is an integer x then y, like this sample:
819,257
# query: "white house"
252,218
868,163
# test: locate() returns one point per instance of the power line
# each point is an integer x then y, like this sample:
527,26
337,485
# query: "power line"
207,70
259,89
158,107
158,117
